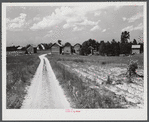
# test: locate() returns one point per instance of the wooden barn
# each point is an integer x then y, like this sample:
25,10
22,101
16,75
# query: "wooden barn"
31,49
77,48
56,48
136,49
40,47
67,49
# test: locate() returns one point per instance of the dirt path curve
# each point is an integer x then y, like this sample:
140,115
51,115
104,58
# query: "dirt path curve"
45,92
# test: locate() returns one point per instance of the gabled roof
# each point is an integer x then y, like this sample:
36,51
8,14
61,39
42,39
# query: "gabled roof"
135,46
19,48
77,44
57,44
67,44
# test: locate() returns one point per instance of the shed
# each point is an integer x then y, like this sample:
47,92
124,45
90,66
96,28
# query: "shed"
40,47
31,49
56,48
77,48
136,49
67,48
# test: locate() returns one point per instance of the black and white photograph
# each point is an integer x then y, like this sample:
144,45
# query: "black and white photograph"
74,60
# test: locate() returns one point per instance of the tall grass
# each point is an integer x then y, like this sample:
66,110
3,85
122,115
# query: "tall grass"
81,93
20,70
100,59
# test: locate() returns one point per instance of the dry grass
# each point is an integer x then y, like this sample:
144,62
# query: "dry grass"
88,77
20,70
84,94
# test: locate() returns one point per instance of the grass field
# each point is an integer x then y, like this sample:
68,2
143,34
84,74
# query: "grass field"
20,70
77,76
82,78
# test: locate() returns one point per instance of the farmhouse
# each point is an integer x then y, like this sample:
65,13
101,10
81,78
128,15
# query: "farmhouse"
31,49
67,48
56,48
77,48
135,49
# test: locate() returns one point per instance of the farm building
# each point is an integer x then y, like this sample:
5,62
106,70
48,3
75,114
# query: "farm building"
40,47
135,49
19,48
67,48
56,48
77,48
31,49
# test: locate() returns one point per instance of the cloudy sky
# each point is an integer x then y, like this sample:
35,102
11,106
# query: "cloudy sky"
74,24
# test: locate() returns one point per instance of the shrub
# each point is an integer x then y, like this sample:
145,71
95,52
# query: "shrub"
132,66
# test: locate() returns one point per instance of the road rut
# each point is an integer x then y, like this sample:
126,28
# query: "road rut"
44,91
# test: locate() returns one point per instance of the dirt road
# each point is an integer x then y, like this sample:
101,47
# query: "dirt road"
44,91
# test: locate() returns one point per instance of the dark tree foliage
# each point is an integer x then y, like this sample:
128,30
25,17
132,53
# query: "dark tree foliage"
134,42
124,37
141,47
85,50
102,48
59,41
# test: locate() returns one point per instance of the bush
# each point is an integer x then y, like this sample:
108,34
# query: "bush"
133,65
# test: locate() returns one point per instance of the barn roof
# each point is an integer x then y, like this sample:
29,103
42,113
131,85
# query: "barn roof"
67,44
135,46
57,44
19,48
77,44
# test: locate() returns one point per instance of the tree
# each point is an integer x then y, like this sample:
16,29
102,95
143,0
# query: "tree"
124,37
102,48
115,48
85,50
134,42
59,42
107,49
86,46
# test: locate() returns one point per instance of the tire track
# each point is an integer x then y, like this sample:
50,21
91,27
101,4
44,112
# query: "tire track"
45,92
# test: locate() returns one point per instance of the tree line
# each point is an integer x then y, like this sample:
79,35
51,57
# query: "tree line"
112,48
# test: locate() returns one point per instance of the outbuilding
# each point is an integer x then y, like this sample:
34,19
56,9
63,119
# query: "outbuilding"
67,49
77,48
56,48
135,49
31,49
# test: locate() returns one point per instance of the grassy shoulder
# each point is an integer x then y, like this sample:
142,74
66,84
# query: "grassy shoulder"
84,94
20,71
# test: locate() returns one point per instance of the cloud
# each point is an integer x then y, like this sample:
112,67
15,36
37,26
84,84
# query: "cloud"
103,30
124,18
139,27
36,19
16,23
135,17
77,29
71,15
88,22
97,13
131,28
95,28
66,26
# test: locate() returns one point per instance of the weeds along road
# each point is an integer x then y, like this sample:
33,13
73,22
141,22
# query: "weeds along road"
44,91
